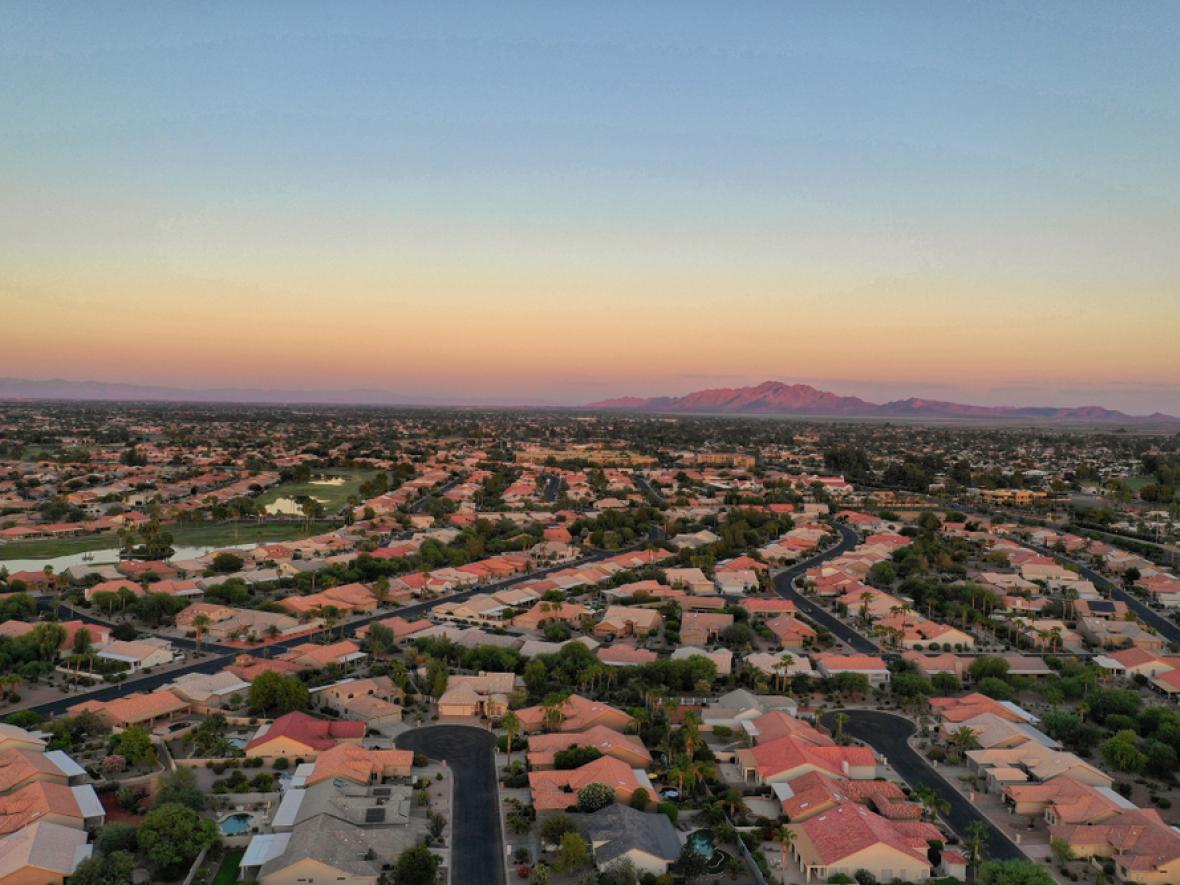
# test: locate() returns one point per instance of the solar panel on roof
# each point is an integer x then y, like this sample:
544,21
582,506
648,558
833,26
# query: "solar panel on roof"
374,815
1102,606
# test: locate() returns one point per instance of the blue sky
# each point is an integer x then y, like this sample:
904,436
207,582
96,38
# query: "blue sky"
954,169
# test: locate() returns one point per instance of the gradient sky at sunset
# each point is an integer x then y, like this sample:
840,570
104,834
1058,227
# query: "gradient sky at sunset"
562,202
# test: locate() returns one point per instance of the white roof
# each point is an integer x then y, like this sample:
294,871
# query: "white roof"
264,847
288,810
65,763
87,800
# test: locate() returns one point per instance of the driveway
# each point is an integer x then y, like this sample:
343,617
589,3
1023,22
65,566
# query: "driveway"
888,735
477,847
784,585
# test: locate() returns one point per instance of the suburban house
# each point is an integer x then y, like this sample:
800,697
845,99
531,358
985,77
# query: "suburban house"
1143,847
703,628
648,841
139,654
623,620
850,837
375,701
787,757
627,748
576,714
484,695
300,735
146,709
43,853
209,690
557,790
1064,800
828,665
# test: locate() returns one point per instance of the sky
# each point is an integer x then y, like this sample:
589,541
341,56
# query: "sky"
564,202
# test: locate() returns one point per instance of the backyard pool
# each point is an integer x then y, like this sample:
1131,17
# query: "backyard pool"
702,842
237,824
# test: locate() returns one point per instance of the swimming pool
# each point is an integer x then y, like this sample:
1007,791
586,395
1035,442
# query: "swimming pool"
236,824
702,842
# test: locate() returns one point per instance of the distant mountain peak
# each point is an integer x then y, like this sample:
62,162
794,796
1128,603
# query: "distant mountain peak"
780,398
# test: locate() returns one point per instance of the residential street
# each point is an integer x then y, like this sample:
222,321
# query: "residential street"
784,583
888,734
475,839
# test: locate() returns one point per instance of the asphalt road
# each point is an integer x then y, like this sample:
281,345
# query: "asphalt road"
1166,628
888,735
784,585
476,843
552,486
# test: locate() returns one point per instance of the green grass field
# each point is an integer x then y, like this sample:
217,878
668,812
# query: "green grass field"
1135,483
334,497
227,873
182,535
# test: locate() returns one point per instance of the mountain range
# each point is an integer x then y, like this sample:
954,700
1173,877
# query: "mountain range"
768,398
777,398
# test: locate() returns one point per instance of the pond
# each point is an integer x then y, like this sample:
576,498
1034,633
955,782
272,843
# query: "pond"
237,824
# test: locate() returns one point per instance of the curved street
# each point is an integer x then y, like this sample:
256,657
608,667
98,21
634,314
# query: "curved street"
889,735
476,842
784,585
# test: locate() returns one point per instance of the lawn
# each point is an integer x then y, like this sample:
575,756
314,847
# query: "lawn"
1135,483
211,535
227,873
333,497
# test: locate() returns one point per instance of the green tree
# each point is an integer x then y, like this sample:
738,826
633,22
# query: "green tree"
1122,752
573,854
135,743
274,694
172,835
984,667
180,786
105,869
115,837
416,866
594,796
1013,872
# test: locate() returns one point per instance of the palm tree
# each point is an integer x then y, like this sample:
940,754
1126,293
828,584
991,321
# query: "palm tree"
932,801
553,713
200,622
787,835
784,663
841,719
963,739
511,725
976,844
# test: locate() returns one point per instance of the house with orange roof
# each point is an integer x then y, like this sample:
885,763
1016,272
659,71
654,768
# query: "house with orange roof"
558,790
625,747
15,737
402,629
77,807
622,654
483,695
300,735
815,792
121,585
249,667
1144,848
145,708
43,853
577,714
791,632
376,701
829,664
361,766
542,612
789,756
928,665
956,710
312,655
1136,660
628,620
1064,800
850,837
20,766
703,628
